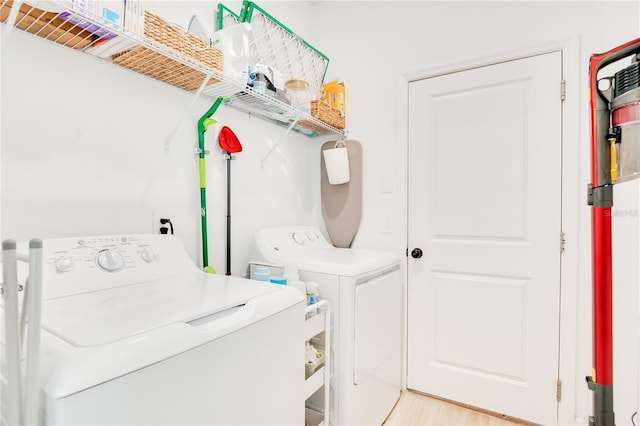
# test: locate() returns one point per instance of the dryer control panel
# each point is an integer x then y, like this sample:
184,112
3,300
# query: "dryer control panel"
85,264
274,244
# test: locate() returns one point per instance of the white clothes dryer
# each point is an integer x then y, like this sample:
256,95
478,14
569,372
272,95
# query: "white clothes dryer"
364,288
134,333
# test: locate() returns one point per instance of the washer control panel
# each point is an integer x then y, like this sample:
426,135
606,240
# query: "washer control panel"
80,265
274,244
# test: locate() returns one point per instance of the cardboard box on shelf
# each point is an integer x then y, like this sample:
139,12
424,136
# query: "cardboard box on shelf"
134,16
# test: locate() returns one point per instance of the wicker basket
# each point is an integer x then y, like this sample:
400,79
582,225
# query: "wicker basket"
315,128
158,66
327,114
47,25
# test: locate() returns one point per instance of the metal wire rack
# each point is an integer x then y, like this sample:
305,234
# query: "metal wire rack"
111,40
226,17
272,43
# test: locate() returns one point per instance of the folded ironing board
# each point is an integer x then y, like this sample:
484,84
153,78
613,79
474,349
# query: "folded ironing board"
342,204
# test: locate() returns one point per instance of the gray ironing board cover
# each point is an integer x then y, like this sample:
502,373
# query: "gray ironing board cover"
342,204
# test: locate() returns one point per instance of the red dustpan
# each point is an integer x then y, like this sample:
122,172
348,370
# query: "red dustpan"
228,141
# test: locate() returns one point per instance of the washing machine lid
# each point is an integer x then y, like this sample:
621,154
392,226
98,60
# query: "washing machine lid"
94,337
103,317
340,261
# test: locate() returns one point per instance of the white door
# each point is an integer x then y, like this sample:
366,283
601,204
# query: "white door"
484,208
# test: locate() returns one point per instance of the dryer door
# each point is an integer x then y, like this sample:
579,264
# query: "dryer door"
378,328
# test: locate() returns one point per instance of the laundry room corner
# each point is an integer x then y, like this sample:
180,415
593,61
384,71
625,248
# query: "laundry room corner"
105,151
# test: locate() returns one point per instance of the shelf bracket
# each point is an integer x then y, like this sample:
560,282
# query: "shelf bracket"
275,145
186,112
10,24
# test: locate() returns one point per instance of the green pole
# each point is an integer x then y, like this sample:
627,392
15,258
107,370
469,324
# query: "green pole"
203,124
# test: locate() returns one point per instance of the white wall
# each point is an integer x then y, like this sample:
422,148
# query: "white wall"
374,46
83,141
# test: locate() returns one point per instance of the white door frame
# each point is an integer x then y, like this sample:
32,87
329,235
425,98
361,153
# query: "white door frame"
573,206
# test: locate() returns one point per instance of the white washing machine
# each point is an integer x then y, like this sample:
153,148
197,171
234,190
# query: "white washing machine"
134,333
365,290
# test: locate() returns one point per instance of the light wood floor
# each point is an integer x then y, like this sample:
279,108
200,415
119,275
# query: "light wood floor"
417,409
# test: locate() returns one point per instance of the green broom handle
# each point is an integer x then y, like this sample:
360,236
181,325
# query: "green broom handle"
202,128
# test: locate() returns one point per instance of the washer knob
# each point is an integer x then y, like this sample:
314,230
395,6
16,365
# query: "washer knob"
148,255
64,264
110,260
298,238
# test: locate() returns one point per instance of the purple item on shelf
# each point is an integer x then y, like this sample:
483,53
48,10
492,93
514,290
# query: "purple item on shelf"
86,25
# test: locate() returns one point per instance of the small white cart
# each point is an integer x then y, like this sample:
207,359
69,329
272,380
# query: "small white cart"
318,320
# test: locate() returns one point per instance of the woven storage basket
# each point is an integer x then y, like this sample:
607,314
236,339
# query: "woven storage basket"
158,66
327,114
47,25
311,125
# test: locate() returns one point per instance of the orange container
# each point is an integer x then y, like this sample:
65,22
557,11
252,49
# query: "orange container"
333,94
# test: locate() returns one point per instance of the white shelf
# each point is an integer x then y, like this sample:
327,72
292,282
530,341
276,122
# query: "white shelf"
313,383
57,21
314,325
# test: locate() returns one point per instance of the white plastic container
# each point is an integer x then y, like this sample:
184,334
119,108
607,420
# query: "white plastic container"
312,292
293,279
233,41
261,274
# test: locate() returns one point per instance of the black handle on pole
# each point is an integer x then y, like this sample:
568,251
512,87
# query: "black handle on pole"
228,213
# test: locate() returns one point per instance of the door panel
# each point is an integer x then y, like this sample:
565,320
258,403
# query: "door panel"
478,327
470,155
484,206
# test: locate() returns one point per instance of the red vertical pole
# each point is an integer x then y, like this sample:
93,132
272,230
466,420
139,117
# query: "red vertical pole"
602,297
601,233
